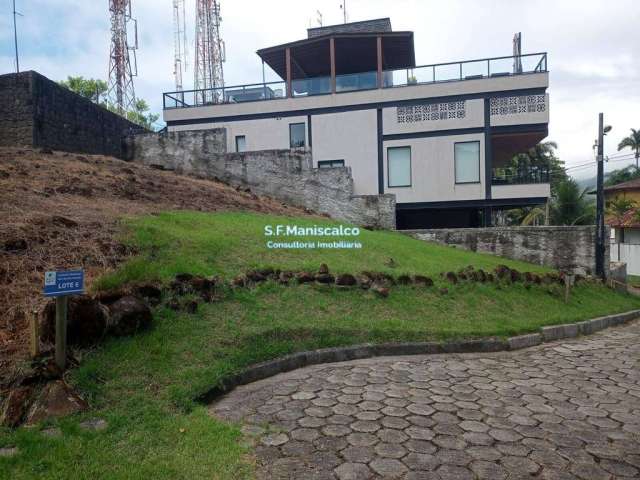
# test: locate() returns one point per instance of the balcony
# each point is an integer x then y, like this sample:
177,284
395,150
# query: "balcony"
520,176
325,85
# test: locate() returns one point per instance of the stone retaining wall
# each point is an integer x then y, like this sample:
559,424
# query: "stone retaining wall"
287,175
37,112
570,249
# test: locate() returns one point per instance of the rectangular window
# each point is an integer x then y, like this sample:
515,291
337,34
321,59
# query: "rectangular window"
241,143
467,162
399,166
297,135
330,163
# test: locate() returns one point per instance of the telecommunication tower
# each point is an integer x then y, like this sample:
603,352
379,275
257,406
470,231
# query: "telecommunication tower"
121,92
210,52
180,42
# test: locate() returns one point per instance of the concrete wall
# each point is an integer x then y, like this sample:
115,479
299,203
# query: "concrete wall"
287,175
352,137
35,111
563,248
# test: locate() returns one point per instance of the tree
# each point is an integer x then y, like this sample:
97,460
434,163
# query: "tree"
570,206
632,142
87,87
622,175
140,116
542,157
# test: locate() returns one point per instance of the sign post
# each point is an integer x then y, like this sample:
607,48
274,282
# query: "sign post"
60,285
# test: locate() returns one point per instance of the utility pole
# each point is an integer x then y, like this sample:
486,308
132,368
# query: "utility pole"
15,36
344,10
600,249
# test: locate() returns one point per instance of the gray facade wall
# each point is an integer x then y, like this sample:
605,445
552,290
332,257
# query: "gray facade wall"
569,249
287,175
37,112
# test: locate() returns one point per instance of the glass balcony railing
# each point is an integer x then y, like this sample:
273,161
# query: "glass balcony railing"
356,81
311,86
520,176
440,72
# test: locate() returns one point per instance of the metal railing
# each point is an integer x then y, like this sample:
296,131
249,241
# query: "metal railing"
466,70
440,72
519,176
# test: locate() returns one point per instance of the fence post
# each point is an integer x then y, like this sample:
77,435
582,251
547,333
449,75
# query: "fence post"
34,334
61,331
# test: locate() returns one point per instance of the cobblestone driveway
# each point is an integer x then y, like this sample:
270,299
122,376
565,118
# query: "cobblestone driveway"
564,410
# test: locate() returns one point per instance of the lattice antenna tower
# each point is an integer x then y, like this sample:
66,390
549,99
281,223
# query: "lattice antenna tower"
180,42
121,92
210,52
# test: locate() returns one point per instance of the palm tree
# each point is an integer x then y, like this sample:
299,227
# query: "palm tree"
632,142
571,206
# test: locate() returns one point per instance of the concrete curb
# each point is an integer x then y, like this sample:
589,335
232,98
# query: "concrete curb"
294,361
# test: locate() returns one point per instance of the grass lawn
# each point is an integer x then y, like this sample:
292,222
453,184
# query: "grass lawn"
144,385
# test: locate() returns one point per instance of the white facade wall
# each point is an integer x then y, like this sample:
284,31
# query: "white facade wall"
352,134
263,134
433,170
352,137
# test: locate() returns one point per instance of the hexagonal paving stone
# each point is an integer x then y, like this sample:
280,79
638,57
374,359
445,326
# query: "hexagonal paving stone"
488,470
365,426
353,471
391,436
274,439
388,467
563,411
449,472
362,439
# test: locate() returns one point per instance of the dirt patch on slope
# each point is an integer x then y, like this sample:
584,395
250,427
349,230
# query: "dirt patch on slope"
61,210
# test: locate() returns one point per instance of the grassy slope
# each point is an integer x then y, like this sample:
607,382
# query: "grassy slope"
229,243
144,385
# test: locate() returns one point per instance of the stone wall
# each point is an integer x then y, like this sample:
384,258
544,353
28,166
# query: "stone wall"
37,112
287,175
16,111
564,248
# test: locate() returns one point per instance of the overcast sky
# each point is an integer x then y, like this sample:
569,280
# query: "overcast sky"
594,47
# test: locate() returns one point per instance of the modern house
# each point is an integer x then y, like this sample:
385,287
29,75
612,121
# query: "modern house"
440,137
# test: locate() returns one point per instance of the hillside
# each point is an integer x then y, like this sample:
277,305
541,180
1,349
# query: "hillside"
145,386
62,210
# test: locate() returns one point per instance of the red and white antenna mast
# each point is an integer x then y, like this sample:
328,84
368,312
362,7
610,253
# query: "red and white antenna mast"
210,52
180,42
121,92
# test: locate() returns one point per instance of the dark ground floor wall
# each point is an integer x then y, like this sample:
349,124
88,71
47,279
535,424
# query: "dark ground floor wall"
564,248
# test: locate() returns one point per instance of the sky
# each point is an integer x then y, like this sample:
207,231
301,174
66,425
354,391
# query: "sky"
593,47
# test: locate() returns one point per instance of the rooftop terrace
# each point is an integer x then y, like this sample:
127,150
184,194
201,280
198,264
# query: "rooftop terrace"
395,78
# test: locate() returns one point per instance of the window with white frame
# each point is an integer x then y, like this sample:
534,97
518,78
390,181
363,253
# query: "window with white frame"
241,143
467,162
399,167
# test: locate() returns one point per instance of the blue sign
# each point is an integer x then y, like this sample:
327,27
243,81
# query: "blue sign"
57,284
